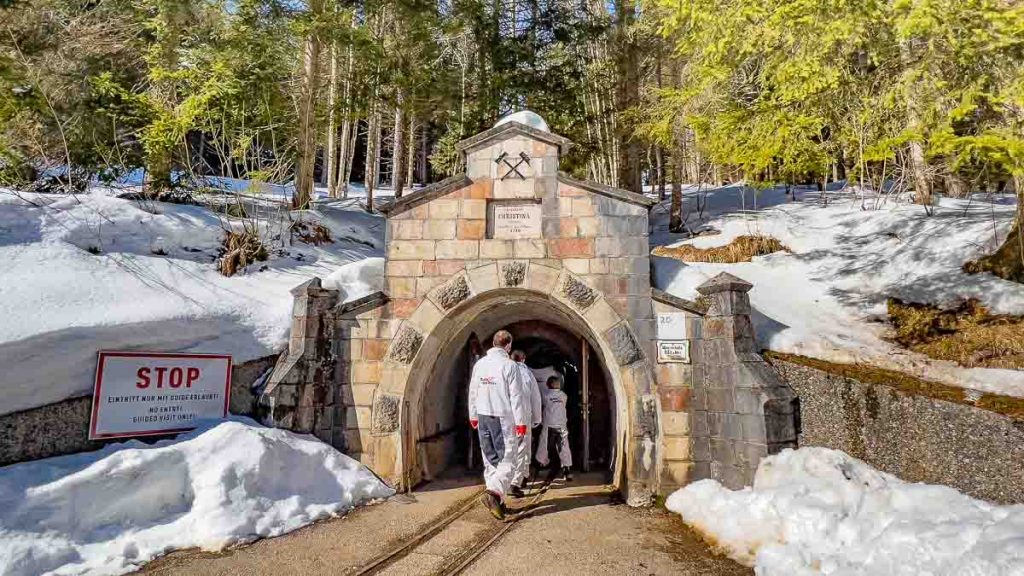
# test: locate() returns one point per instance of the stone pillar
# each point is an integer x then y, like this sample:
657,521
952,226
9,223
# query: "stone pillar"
742,410
299,393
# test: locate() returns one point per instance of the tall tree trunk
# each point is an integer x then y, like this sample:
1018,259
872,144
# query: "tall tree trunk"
659,171
918,163
332,125
1007,262
696,161
353,126
372,154
410,154
675,210
305,153
659,160
341,175
347,140
172,17
398,155
922,180
628,95
957,187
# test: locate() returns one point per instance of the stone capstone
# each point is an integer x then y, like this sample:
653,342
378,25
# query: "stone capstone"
624,345
449,295
724,282
405,345
513,273
386,414
581,295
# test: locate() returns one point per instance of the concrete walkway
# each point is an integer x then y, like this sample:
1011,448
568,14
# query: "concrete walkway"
577,528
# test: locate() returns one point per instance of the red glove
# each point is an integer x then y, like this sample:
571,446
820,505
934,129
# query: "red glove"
472,423
521,431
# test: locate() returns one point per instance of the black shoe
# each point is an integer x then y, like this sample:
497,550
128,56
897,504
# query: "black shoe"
492,502
566,474
517,492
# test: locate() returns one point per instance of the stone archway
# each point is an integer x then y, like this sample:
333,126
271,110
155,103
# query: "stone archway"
431,392
444,319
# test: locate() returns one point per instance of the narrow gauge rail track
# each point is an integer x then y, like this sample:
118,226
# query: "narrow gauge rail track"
456,563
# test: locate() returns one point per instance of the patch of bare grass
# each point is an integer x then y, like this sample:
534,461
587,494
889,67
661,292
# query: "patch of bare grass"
968,334
312,233
742,249
240,248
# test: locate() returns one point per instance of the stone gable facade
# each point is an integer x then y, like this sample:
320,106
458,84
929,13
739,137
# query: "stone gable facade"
511,240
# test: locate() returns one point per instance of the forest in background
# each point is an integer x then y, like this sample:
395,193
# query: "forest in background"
921,96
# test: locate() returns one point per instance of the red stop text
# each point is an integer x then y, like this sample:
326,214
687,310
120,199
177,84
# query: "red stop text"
164,377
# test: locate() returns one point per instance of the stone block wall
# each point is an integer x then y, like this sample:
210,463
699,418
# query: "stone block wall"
301,394
675,391
741,411
915,437
51,430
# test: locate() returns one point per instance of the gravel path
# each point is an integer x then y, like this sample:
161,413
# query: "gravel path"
578,528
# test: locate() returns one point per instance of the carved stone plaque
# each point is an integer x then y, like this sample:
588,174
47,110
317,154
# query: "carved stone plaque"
514,220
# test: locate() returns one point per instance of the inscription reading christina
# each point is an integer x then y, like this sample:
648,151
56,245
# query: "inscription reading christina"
515,220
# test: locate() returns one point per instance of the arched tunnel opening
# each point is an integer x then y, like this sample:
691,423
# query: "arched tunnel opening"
444,442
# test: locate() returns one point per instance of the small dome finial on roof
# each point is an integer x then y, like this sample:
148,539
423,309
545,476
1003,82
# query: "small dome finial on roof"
528,117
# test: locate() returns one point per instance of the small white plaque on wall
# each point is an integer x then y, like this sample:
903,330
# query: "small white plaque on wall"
514,220
672,326
674,351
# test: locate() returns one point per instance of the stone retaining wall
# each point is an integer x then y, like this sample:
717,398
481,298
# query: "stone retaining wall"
63,427
915,437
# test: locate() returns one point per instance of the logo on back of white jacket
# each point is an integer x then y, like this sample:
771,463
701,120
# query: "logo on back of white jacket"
489,380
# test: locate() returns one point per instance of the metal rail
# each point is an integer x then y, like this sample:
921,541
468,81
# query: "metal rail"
460,561
389,558
474,552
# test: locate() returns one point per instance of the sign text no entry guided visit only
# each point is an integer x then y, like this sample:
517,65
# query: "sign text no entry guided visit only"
149,393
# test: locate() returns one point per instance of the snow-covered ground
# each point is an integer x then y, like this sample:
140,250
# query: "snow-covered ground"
228,483
284,192
820,511
827,299
93,271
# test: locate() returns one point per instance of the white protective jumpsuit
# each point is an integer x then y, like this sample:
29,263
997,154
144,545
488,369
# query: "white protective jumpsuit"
498,405
524,448
555,422
542,375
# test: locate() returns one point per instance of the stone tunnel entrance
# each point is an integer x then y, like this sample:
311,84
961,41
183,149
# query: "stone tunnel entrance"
663,391
442,438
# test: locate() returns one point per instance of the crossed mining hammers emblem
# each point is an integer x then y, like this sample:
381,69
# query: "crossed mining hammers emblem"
513,168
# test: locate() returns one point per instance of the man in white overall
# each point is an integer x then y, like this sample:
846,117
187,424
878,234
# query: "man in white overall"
555,434
498,411
524,453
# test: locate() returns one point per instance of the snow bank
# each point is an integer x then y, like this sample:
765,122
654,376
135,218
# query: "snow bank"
284,192
107,512
827,298
357,279
93,271
820,511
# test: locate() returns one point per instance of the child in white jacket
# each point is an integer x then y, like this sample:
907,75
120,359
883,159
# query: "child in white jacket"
554,437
